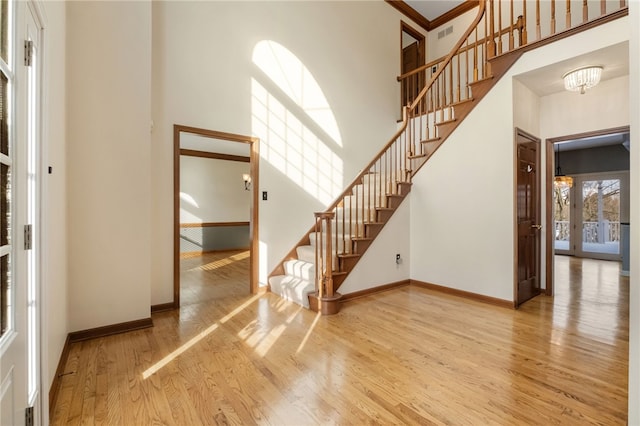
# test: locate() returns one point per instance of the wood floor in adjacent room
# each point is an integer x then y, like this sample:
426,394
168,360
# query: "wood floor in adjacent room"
405,356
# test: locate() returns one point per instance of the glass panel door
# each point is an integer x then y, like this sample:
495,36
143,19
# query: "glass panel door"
562,218
600,217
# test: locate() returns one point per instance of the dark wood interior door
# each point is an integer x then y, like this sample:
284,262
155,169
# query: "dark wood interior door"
412,58
528,218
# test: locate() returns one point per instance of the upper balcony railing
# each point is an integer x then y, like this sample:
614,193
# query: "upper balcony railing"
431,95
508,25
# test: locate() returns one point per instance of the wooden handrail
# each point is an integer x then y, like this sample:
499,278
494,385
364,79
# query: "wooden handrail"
518,26
358,205
492,48
343,231
465,36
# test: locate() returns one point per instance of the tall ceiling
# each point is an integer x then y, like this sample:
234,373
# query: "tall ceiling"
432,9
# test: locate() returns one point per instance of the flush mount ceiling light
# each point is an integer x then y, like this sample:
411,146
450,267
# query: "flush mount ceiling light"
581,79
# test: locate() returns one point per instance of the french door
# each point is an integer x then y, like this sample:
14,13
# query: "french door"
587,216
20,356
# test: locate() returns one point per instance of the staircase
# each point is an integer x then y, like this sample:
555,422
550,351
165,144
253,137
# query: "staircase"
313,271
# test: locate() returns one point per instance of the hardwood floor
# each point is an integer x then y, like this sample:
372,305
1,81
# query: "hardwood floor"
217,275
405,356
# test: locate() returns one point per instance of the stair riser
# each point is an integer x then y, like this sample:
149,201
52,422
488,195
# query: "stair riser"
300,269
384,215
347,228
308,254
341,243
369,200
292,289
394,202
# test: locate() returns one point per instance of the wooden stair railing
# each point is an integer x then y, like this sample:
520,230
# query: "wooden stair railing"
505,30
346,229
487,49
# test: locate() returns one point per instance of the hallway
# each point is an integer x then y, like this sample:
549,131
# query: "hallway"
408,355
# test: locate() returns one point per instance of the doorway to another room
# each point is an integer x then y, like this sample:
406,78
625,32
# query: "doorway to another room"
587,195
413,57
215,215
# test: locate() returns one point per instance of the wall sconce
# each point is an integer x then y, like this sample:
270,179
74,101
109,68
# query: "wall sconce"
246,177
582,79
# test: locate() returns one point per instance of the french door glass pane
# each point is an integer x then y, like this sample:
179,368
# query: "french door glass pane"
4,116
5,240
4,29
5,295
601,216
561,210
5,205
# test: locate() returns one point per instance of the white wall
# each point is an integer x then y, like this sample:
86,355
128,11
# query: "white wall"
54,201
603,107
462,204
526,109
634,281
216,188
108,163
462,201
437,48
203,76
378,265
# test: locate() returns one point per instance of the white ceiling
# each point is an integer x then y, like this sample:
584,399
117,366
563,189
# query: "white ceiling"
593,142
207,144
548,80
431,9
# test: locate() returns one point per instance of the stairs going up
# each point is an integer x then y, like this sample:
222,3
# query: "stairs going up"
314,269
353,230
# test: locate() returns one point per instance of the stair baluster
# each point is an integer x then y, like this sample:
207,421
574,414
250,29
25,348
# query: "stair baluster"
345,230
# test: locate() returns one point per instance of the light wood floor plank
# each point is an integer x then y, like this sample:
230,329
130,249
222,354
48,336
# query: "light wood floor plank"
405,356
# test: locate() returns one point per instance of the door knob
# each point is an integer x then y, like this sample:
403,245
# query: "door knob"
537,226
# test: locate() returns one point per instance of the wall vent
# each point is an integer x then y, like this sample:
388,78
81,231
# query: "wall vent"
445,32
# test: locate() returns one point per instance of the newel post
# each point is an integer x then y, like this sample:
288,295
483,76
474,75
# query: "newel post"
327,301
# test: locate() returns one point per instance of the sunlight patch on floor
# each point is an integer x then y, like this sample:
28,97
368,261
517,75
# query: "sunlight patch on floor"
197,338
211,266
306,336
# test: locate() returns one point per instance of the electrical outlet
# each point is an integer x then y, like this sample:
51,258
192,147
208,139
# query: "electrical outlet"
264,195
398,258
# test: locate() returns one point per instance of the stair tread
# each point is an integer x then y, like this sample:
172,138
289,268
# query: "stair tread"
464,101
416,156
487,78
436,139
292,288
451,120
348,255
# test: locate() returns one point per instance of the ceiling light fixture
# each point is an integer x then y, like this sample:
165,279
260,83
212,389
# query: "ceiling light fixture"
581,79
560,178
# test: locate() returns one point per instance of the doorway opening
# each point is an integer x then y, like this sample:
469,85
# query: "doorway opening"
590,218
214,234
413,57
